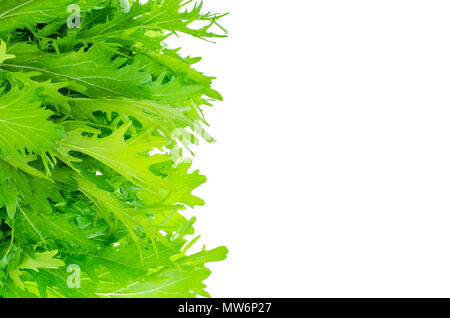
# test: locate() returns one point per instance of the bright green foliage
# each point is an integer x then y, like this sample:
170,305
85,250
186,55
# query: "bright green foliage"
91,118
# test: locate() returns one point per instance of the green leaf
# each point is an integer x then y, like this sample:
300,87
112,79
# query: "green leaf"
128,157
28,13
152,18
114,75
47,93
91,173
13,186
24,124
182,281
42,260
3,55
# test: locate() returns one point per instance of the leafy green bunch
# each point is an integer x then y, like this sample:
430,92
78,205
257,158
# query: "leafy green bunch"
94,111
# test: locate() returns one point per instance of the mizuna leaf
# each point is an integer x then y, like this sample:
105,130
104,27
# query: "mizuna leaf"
3,55
184,280
25,126
28,13
93,106
13,186
115,76
155,16
42,260
47,92
127,157
147,116
112,77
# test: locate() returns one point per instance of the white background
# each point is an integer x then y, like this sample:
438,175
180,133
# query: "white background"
331,174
